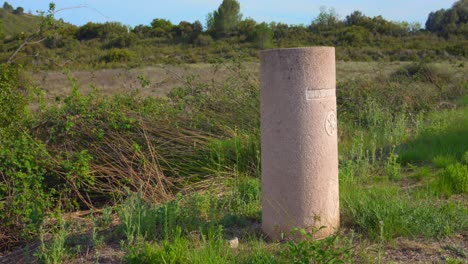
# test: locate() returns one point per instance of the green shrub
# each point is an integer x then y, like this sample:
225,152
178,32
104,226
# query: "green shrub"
310,250
203,40
452,180
392,167
24,196
13,100
117,55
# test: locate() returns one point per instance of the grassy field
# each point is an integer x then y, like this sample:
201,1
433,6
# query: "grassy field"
162,78
161,165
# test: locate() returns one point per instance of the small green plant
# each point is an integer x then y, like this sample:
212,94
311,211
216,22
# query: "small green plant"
381,242
310,250
54,251
454,261
144,82
106,218
392,167
98,242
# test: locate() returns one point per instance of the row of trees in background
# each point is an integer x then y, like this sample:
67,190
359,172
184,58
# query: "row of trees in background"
226,23
9,8
450,21
226,26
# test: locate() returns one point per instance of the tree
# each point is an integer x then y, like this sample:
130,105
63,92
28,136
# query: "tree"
280,30
353,35
112,30
18,11
7,7
142,31
114,34
184,31
263,36
450,21
88,31
197,27
224,21
326,20
247,29
355,19
161,27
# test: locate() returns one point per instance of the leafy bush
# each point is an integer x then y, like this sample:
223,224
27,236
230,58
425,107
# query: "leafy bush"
13,98
24,196
117,55
203,40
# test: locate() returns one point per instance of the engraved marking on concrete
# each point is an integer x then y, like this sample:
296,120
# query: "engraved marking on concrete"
318,94
331,124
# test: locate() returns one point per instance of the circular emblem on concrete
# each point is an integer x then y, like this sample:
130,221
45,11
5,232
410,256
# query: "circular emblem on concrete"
331,124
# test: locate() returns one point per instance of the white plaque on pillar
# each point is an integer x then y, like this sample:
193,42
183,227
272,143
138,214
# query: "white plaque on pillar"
319,94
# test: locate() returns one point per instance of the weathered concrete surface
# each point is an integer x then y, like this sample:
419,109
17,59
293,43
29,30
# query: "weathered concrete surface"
299,141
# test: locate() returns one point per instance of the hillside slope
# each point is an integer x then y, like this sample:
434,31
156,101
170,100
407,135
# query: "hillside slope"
15,24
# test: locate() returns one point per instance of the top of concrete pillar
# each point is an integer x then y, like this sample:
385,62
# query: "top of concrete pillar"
317,48
310,68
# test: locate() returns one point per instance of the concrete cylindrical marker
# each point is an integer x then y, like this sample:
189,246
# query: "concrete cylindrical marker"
299,141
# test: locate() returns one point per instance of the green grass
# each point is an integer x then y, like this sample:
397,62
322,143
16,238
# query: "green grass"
182,173
385,211
441,142
451,180
196,229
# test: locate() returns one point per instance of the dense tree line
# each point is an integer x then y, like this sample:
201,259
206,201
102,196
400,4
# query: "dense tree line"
359,37
451,21
226,23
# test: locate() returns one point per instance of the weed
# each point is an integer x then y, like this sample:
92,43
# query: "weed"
392,167
53,252
310,250
105,219
98,242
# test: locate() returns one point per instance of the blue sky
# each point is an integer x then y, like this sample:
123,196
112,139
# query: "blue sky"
287,11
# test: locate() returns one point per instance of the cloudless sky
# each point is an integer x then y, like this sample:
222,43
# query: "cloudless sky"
136,12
